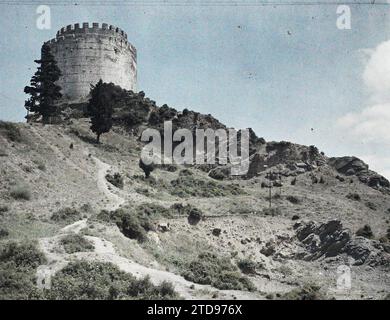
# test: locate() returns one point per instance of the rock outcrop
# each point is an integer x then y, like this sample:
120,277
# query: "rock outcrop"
352,166
325,240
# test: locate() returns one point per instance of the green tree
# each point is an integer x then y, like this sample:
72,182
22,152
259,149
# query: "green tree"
146,168
100,108
43,90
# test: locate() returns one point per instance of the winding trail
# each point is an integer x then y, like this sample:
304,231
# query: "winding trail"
102,169
105,251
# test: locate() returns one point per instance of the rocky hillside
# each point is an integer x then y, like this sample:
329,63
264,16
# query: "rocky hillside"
195,231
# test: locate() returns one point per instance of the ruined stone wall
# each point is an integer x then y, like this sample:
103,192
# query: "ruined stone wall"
87,54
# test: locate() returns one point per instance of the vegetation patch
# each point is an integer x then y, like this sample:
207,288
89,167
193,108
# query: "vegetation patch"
365,232
353,196
76,243
3,233
306,292
134,223
116,180
3,209
21,192
18,264
82,280
188,186
247,266
10,131
293,199
66,215
216,271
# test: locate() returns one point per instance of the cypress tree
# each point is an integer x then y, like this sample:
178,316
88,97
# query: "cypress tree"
100,108
42,90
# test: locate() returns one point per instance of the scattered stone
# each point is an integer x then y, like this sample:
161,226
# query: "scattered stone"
216,232
295,217
163,227
371,205
365,232
268,249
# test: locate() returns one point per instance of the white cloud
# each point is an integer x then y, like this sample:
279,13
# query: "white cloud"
372,124
370,127
376,75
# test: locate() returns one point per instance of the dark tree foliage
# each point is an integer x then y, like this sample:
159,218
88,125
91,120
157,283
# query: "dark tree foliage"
100,107
42,90
146,168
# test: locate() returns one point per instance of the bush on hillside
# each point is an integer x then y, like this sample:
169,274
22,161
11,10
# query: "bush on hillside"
66,215
76,243
216,271
82,280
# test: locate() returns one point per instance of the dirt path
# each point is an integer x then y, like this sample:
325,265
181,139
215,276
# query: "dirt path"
115,200
105,251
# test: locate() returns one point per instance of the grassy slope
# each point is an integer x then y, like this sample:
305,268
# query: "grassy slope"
59,176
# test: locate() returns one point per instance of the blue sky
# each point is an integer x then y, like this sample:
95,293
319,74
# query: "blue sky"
286,71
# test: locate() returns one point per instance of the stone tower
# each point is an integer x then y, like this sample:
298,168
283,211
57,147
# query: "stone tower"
87,54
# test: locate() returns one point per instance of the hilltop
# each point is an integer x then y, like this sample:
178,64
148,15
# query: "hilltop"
208,234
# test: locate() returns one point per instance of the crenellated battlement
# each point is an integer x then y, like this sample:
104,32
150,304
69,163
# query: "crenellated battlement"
77,30
104,29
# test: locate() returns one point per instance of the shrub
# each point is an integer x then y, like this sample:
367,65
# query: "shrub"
104,281
17,283
116,180
247,266
189,186
146,168
219,272
293,199
76,243
285,270
66,215
307,292
131,227
3,233
168,167
353,196
185,173
194,216
129,222
22,255
3,209
21,192
10,131
365,232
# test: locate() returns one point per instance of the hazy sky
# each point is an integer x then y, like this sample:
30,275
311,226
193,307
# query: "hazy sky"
287,71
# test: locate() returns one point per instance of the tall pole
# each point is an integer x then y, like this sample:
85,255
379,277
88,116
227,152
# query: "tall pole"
270,194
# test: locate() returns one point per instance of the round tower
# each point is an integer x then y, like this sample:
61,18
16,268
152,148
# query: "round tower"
87,54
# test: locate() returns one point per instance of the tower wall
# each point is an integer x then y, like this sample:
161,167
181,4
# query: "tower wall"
85,54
